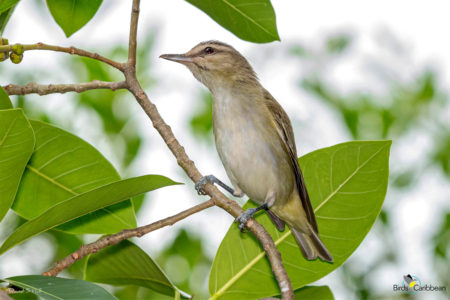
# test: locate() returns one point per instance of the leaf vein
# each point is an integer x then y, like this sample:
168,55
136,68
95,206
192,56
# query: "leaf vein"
248,18
37,172
347,180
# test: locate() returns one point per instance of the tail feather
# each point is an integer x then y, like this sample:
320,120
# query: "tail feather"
311,245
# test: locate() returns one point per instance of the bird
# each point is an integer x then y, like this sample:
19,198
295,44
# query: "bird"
409,280
255,142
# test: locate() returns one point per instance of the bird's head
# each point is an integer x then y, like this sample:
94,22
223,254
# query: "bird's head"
215,64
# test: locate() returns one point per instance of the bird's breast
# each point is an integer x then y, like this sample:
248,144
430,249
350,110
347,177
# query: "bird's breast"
250,148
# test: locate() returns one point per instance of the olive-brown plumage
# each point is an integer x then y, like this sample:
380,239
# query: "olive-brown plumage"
255,141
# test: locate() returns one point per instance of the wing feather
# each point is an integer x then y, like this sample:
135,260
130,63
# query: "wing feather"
286,134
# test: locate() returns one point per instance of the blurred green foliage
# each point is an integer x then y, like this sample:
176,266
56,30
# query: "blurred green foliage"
441,241
368,117
200,122
113,107
337,43
187,264
407,107
441,154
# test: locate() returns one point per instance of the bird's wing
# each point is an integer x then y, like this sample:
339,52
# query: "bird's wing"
286,134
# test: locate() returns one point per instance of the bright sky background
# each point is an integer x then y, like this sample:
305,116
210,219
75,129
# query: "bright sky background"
422,28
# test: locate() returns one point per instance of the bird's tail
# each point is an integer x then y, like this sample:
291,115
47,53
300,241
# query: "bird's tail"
311,245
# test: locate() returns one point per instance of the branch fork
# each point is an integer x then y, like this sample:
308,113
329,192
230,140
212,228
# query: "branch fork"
132,84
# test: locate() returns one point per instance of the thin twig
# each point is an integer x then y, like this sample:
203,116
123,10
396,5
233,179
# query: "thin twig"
132,45
123,235
70,50
4,295
45,89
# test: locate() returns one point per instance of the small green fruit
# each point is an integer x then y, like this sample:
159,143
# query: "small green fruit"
18,49
3,56
15,58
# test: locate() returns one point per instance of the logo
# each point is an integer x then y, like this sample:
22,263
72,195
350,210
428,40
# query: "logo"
410,282
412,285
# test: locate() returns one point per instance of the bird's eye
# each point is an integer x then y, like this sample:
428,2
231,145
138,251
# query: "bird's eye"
209,50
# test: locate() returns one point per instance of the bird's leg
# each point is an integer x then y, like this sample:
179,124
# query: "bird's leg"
212,179
243,218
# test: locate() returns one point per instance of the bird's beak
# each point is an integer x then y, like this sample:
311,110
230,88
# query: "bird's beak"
179,58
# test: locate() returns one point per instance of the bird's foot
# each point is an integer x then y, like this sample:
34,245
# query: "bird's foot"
201,183
213,179
244,217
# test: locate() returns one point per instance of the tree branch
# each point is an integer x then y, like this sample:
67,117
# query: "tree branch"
217,198
4,295
132,44
45,89
123,235
70,50
189,167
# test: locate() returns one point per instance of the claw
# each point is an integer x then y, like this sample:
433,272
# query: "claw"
244,217
199,185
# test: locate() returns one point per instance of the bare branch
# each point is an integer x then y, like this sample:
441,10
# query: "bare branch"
4,295
123,235
69,50
45,89
133,33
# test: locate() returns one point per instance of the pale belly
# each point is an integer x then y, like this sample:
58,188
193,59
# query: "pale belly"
260,169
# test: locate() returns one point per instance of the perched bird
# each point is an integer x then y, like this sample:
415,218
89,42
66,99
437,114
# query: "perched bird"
255,141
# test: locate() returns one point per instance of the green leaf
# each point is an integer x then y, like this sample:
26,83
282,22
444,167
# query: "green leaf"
16,146
7,4
61,167
337,44
4,18
85,203
5,102
24,296
347,184
52,288
127,264
321,292
6,9
72,15
250,20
